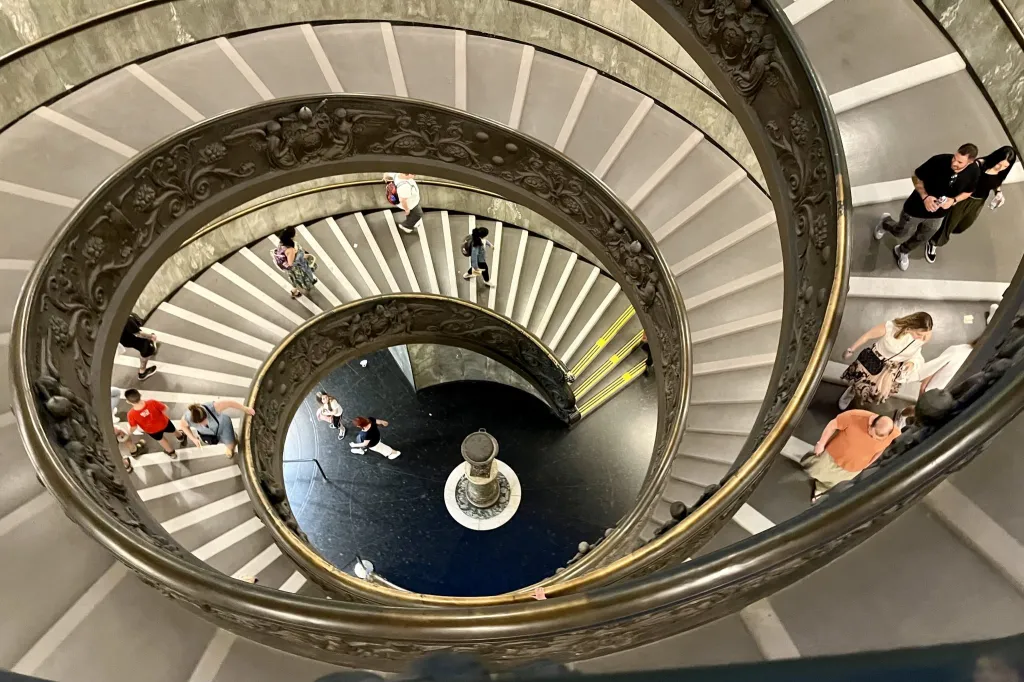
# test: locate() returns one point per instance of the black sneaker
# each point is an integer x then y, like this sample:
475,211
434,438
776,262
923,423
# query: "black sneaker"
407,230
182,439
930,252
147,373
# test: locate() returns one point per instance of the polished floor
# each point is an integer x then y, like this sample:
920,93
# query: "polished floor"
575,483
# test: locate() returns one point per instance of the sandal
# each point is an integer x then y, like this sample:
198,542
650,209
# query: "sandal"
128,467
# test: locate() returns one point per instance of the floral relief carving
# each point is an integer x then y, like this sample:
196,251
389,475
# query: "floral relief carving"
739,36
166,186
309,135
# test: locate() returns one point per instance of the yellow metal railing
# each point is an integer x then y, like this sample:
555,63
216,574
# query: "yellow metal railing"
606,393
605,339
607,366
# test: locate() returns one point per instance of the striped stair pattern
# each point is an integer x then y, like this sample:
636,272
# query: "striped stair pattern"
715,228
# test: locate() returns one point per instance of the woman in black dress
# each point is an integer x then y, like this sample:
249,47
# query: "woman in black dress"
994,169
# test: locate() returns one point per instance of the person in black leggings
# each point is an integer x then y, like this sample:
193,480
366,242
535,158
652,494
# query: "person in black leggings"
133,337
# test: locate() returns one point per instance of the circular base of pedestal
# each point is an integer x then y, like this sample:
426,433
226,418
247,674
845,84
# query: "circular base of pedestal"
474,518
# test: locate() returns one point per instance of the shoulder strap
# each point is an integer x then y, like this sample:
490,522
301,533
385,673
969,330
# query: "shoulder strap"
898,352
212,412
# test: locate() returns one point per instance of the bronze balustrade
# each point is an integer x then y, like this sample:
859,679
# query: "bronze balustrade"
82,288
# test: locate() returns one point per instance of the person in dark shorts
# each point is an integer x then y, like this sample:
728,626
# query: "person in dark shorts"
133,337
151,417
369,437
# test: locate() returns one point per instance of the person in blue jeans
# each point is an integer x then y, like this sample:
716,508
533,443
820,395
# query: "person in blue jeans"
478,244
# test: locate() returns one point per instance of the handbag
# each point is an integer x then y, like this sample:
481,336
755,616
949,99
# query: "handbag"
872,362
211,438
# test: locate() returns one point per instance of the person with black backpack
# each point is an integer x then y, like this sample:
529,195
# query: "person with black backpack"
206,424
402,191
475,247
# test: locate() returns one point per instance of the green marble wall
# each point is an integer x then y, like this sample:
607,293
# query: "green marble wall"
992,52
47,72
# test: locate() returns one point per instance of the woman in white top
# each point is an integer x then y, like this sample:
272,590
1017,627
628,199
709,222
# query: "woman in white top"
330,411
893,358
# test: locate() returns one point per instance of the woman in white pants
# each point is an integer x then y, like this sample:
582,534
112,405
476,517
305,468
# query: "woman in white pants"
369,437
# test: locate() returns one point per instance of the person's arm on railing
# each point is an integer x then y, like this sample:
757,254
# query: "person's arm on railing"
221,405
876,332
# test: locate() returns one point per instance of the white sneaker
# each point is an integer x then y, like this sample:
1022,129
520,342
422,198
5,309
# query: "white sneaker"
880,227
902,258
846,398
394,454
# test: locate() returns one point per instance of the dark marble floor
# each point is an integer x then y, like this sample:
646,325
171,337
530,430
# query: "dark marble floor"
574,483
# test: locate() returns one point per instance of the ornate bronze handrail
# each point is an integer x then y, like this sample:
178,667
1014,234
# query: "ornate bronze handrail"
70,313
771,88
68,317
345,334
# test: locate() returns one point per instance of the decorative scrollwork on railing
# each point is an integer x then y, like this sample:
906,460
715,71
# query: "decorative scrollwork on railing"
345,334
747,49
69,314
220,163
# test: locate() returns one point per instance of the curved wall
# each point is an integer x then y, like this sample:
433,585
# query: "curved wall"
43,74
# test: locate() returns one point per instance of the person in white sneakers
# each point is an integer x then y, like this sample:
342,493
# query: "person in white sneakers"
408,199
892,358
478,243
940,183
369,437
330,411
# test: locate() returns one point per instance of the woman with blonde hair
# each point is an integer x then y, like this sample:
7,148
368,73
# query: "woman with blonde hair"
891,360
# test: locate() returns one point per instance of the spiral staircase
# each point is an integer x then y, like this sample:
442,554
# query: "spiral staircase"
946,570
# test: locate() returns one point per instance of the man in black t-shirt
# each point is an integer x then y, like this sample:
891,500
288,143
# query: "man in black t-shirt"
939,183
368,436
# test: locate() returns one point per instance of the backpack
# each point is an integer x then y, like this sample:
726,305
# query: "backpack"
280,258
391,193
467,245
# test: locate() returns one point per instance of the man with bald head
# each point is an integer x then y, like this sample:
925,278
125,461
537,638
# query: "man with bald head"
848,446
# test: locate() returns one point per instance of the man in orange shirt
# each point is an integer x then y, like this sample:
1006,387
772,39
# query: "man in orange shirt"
848,446
151,417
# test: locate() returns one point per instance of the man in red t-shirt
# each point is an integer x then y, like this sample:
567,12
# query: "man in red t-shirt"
151,417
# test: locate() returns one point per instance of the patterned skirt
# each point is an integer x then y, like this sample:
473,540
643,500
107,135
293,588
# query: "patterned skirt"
874,389
300,274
